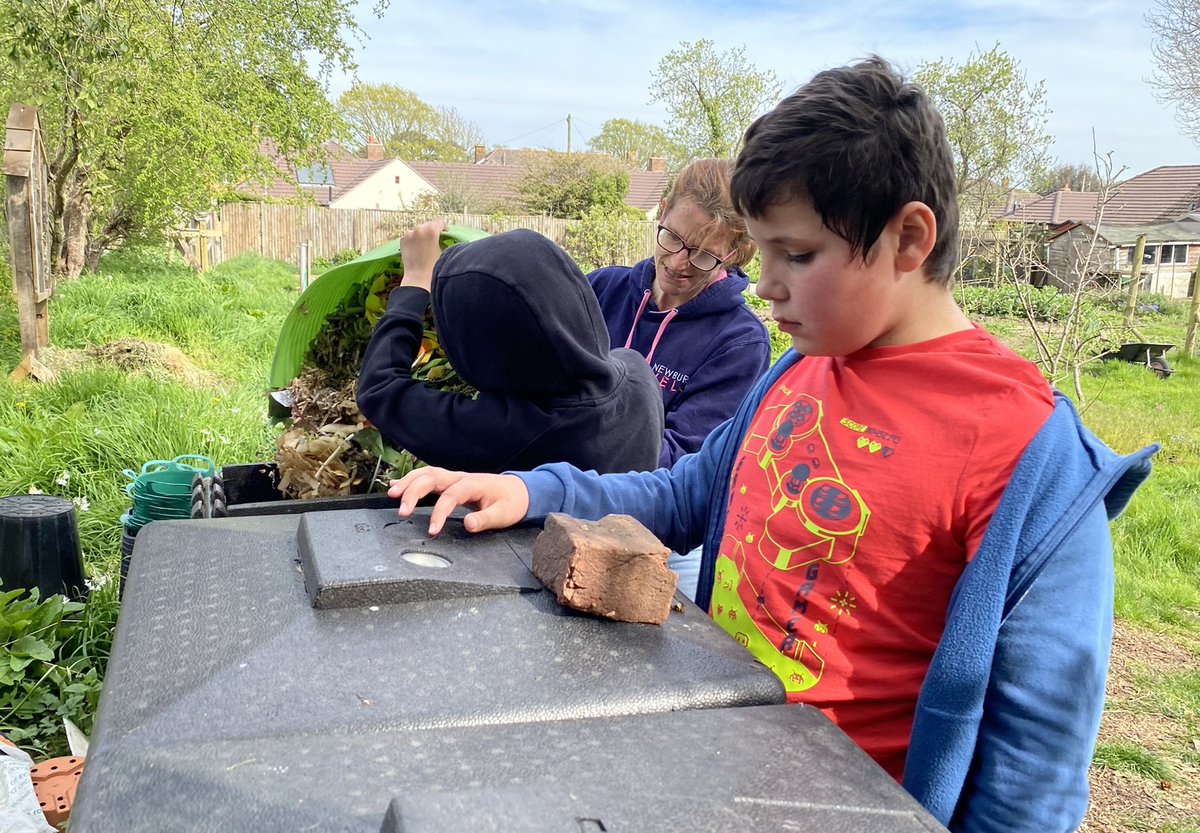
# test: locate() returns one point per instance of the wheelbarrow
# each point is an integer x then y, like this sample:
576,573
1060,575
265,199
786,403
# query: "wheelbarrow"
1150,355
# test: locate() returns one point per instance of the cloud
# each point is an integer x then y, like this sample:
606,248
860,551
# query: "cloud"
514,68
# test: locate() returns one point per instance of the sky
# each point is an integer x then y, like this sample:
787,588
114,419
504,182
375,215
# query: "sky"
518,69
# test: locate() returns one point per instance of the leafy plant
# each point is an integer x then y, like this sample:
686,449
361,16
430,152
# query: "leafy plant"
1045,303
711,97
572,184
322,264
49,671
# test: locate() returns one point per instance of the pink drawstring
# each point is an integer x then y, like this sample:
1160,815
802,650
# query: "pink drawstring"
658,335
661,327
636,318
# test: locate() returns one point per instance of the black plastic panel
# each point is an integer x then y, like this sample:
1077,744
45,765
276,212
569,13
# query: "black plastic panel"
363,557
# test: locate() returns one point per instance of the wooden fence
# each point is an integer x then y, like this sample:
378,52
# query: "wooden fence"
276,231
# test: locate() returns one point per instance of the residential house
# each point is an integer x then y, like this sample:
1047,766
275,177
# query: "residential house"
1169,257
491,181
1159,203
343,180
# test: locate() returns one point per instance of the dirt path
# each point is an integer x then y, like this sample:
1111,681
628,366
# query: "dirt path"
1137,715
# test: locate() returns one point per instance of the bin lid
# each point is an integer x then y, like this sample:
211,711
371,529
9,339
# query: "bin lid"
480,646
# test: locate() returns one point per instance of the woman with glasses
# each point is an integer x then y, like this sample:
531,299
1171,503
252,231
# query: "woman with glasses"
683,308
684,311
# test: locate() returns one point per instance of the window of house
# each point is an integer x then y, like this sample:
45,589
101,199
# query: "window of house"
1174,253
1147,255
315,175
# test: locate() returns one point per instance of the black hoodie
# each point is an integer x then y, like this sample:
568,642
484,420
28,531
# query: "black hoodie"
519,322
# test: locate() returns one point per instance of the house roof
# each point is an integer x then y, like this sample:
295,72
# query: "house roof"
1160,195
348,171
646,189
497,183
1053,209
525,156
489,184
1186,230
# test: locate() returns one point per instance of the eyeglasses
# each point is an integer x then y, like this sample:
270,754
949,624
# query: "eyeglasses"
702,260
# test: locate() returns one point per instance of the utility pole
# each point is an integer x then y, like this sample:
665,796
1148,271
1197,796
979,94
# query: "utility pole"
568,132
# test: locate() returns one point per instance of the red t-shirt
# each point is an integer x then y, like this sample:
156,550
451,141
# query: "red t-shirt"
862,489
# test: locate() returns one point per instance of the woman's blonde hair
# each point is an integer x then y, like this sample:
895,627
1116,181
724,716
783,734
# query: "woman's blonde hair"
706,183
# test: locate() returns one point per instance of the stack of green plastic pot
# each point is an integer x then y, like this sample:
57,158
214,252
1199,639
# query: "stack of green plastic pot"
163,490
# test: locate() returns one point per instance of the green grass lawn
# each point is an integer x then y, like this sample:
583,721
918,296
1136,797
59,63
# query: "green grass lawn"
73,438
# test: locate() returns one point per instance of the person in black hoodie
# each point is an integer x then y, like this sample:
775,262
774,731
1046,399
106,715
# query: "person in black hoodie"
519,322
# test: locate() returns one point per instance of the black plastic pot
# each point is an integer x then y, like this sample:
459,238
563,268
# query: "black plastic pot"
39,545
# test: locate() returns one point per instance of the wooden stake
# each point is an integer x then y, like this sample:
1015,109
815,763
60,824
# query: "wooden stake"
1189,342
1134,279
30,367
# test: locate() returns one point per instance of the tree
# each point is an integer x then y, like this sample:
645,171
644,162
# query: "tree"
407,126
150,110
996,125
459,194
1068,329
712,98
606,236
636,141
1080,177
1176,50
569,185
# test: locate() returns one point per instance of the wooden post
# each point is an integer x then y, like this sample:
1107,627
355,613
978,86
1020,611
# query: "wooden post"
27,182
1134,279
1189,342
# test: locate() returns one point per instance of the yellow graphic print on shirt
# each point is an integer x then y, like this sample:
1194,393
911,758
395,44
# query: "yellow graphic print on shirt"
791,515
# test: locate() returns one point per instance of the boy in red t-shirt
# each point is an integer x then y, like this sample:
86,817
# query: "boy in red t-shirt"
910,527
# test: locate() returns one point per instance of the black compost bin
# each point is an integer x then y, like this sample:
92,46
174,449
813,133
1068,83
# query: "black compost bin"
339,671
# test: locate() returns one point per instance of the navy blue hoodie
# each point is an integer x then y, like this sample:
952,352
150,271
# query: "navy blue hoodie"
706,354
516,319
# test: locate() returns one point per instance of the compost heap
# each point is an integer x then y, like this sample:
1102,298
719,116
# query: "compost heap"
330,449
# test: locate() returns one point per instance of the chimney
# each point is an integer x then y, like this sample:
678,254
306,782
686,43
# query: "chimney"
374,148
480,152
1066,186
658,165
631,157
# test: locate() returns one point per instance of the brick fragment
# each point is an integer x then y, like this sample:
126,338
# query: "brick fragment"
612,567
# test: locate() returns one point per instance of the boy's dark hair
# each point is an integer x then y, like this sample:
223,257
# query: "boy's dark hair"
858,142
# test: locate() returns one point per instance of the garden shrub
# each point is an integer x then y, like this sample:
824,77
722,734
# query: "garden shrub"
606,237
1046,302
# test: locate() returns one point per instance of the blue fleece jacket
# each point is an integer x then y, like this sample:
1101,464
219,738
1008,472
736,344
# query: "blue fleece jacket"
1006,720
706,354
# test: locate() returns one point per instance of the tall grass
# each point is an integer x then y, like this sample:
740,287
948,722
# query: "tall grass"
1157,541
75,436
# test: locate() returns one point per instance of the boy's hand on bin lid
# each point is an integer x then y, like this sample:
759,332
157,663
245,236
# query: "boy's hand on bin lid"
499,500
419,250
